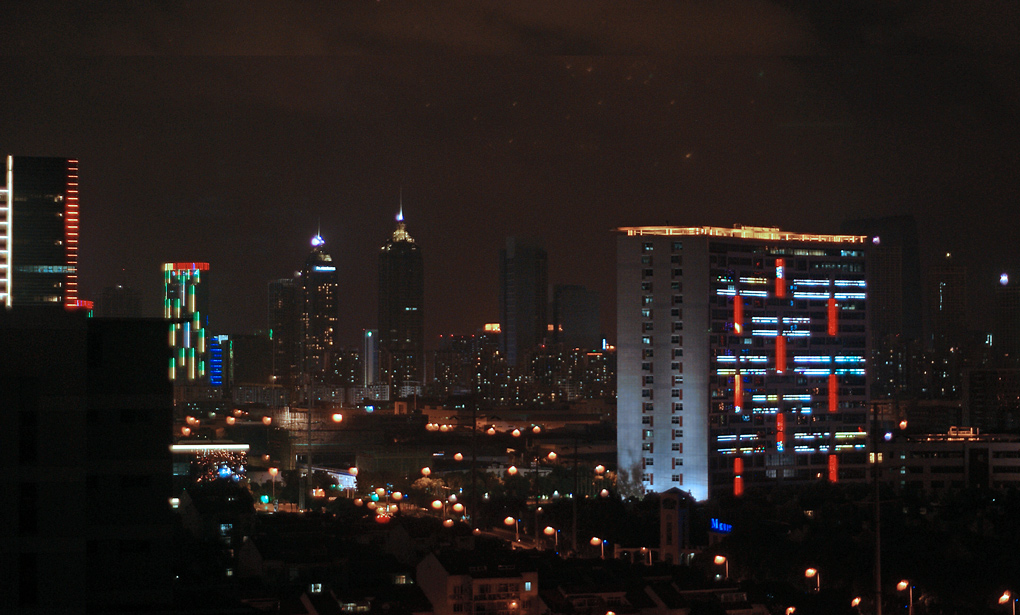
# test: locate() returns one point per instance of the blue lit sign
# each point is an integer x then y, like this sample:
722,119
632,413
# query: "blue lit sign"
720,527
324,268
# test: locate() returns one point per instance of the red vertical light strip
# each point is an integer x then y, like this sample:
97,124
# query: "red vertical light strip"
738,315
780,431
780,354
833,468
71,235
738,393
780,278
738,479
833,393
833,316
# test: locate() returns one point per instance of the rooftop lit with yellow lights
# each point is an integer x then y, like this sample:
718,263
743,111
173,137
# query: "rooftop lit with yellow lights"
767,233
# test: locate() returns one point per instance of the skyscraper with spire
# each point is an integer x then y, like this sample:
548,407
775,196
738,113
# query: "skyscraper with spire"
401,312
319,285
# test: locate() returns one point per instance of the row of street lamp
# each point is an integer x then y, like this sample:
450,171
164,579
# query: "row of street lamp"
812,573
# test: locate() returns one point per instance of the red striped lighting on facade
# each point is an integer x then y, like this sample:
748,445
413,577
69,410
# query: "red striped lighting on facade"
833,468
780,429
190,266
71,236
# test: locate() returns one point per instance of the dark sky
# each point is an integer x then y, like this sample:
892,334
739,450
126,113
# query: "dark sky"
229,133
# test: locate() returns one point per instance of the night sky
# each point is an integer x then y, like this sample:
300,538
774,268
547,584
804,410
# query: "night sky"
230,133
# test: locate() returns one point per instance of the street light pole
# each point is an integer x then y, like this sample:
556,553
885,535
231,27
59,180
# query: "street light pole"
906,585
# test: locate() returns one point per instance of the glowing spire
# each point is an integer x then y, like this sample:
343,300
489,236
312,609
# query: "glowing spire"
318,240
401,233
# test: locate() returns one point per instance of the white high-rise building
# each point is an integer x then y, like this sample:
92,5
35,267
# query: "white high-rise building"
741,358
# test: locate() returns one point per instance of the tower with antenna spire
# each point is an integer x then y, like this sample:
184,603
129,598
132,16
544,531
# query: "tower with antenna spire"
319,300
401,312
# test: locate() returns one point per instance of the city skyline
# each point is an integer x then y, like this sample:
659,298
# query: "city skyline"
244,156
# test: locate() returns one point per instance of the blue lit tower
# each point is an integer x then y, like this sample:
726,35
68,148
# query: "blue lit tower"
186,306
401,311
319,284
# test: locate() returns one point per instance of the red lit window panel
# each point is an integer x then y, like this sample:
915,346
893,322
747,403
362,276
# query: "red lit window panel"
833,469
780,428
738,486
738,315
780,278
738,466
833,393
738,393
833,316
780,354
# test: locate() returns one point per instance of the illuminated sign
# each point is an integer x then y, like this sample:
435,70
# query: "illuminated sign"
720,527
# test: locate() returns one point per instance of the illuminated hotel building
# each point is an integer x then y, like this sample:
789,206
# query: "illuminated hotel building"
741,358
186,306
39,233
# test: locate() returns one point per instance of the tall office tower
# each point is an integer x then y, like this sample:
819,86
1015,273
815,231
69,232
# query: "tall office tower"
39,232
947,303
523,297
369,356
284,330
186,306
576,317
895,318
120,302
947,308
320,308
401,311
741,357
1006,335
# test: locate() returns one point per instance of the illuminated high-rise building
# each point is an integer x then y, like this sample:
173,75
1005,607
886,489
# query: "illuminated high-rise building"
319,287
39,232
741,358
186,306
401,311
523,297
